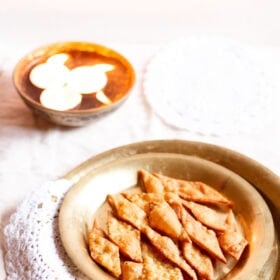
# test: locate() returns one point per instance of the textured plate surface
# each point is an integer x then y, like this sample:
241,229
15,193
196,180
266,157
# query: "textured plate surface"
88,194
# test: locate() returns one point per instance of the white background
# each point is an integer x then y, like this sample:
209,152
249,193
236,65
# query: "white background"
26,24
253,21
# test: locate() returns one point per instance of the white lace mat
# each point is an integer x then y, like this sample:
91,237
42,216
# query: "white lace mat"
209,85
33,247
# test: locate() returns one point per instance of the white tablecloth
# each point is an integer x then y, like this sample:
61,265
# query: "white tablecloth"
33,151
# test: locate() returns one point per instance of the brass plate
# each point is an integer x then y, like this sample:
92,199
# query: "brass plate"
115,170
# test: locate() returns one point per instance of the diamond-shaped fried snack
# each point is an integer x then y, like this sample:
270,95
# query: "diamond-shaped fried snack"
194,191
169,249
156,266
172,229
198,260
126,237
149,182
104,252
232,240
160,214
163,218
131,270
128,211
209,216
143,200
202,236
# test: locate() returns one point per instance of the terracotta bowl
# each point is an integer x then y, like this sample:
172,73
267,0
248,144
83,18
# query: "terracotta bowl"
119,81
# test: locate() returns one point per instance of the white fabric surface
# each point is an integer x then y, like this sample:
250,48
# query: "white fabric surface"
33,151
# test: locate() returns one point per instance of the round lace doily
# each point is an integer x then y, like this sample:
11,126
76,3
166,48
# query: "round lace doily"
207,85
32,244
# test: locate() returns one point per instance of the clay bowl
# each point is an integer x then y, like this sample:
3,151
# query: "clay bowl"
119,81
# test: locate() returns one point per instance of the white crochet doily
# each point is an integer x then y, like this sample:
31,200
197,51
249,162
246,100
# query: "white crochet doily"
208,85
32,244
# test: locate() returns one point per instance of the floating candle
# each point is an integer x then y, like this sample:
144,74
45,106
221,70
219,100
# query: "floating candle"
63,86
51,73
89,79
61,98
100,96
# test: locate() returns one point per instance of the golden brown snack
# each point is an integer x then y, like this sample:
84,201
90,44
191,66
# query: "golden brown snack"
131,270
163,218
232,240
155,266
128,211
104,252
212,217
198,260
202,236
193,191
169,249
161,215
174,230
149,182
144,199
126,237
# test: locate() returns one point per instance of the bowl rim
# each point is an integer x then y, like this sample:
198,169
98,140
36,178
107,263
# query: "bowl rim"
54,48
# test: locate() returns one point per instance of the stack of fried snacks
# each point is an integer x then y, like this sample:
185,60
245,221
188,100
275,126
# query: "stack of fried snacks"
173,229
